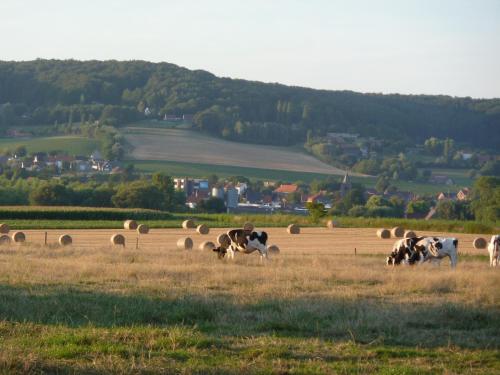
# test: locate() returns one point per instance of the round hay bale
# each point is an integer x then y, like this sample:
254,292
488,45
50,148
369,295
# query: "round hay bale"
397,232
383,233
4,239
248,227
65,240
18,237
202,229
4,228
185,243
207,246
118,239
223,240
479,243
273,249
188,224
142,229
130,224
410,234
293,229
331,224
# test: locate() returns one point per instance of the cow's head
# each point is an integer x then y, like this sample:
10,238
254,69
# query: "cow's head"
435,245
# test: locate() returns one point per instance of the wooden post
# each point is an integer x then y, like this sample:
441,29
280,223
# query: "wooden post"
355,252
45,239
137,243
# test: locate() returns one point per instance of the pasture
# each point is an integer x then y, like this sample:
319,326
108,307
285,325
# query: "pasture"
314,308
73,145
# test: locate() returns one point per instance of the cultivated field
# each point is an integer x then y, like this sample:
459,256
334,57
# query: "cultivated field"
314,308
193,147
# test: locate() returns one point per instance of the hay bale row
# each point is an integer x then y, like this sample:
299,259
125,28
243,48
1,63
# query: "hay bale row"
383,233
248,227
142,229
202,229
188,224
479,243
4,228
397,232
65,240
293,229
118,239
130,225
207,246
331,224
18,237
410,234
223,240
185,243
273,249
4,239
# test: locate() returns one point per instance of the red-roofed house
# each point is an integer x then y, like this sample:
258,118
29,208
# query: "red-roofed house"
286,189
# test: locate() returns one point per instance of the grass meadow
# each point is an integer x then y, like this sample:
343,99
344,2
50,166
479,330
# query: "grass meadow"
73,145
314,308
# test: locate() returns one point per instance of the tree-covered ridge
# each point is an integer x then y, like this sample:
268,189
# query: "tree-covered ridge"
48,91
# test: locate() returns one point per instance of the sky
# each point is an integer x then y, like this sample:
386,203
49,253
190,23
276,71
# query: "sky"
449,47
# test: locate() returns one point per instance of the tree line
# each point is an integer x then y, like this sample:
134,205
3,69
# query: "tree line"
115,93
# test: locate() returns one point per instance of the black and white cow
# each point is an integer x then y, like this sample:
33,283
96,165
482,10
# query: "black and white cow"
403,252
245,242
433,249
493,250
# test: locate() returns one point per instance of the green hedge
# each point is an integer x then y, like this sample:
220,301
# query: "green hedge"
79,213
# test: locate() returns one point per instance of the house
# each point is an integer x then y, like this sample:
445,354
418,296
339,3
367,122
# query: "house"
445,196
320,197
463,194
241,187
253,196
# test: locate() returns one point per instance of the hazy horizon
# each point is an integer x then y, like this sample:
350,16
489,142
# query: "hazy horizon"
416,47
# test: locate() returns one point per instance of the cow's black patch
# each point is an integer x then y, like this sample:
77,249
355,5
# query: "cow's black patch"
260,236
455,243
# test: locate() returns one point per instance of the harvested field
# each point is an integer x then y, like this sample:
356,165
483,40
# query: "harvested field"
314,308
310,241
192,147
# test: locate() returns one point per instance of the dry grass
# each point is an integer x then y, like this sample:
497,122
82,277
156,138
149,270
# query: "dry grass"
314,308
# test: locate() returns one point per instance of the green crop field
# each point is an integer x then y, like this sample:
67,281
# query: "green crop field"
72,145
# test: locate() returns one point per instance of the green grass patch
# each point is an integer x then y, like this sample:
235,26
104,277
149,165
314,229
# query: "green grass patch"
33,217
72,145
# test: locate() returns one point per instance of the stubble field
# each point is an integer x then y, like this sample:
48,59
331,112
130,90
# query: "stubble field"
314,308
193,147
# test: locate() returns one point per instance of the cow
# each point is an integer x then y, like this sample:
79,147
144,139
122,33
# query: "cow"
433,249
493,249
244,241
403,252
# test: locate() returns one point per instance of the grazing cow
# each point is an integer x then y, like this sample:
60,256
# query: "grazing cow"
494,251
434,249
403,252
244,241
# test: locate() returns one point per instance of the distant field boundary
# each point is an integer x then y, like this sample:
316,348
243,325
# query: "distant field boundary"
25,217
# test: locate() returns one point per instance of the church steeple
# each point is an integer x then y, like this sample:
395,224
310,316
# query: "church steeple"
345,185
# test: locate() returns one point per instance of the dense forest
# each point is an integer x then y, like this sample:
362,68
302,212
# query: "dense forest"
115,93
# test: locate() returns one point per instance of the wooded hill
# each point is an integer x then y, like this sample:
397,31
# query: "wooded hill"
114,92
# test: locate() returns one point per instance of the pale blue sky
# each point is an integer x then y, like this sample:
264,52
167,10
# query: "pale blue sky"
413,46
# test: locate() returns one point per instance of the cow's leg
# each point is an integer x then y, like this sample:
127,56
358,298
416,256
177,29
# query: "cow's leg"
453,260
230,252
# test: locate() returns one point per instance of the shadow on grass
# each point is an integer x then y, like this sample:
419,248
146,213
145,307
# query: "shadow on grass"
361,321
